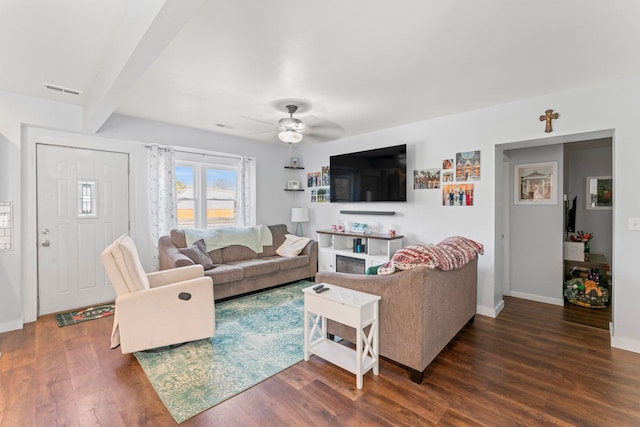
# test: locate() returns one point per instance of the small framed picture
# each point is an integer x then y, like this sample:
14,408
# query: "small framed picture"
293,185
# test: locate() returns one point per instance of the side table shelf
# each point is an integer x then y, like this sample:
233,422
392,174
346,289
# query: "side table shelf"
351,308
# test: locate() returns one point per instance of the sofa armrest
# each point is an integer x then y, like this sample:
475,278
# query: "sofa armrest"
311,246
170,256
312,250
175,275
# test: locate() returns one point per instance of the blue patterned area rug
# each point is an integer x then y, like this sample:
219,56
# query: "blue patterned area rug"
257,336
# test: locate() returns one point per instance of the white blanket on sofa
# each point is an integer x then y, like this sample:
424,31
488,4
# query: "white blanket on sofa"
254,238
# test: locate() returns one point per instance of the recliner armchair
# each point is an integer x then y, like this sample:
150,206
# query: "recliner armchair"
156,309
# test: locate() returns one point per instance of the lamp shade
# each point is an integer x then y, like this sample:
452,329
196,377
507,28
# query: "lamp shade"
299,215
290,136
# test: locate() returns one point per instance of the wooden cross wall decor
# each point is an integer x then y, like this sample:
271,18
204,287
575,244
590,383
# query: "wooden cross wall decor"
548,116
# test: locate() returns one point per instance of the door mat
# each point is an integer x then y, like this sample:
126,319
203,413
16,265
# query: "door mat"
91,313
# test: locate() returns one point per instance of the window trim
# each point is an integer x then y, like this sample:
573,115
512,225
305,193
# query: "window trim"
244,190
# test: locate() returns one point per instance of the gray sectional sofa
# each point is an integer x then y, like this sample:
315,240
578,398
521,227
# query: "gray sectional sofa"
421,310
239,270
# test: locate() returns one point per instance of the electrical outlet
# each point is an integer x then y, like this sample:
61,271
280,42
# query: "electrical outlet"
634,224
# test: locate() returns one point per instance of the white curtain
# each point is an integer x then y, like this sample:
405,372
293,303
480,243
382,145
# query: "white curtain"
162,201
244,193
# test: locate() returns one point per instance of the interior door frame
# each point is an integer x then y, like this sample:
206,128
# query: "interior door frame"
564,139
36,135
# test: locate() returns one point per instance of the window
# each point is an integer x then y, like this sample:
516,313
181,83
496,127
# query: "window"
212,194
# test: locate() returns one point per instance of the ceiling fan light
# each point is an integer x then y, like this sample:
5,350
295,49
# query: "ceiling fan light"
290,136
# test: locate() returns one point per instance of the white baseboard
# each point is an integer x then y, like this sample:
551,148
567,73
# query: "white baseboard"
490,312
625,344
13,325
538,298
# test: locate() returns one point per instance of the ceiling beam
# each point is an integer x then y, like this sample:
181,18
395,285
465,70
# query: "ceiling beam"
147,29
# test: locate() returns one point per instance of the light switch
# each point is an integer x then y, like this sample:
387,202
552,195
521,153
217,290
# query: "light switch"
634,224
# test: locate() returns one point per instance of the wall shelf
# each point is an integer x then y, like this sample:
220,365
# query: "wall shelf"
368,212
294,167
294,189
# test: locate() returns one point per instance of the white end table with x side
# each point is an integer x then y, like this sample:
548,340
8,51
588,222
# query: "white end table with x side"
351,308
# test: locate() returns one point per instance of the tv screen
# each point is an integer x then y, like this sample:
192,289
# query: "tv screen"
378,175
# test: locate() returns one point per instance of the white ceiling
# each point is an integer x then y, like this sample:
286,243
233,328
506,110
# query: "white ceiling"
358,65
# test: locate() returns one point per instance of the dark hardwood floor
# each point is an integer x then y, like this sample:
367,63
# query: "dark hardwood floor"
530,366
596,317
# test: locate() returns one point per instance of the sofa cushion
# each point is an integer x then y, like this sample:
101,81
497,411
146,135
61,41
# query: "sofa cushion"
257,267
216,256
237,253
225,273
125,254
278,233
295,262
292,246
197,252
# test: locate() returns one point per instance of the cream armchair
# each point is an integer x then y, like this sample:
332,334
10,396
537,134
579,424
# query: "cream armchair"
156,309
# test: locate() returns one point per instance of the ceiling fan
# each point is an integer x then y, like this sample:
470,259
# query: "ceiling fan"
292,130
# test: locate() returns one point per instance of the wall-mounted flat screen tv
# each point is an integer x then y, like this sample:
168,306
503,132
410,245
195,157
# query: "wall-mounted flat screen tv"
378,175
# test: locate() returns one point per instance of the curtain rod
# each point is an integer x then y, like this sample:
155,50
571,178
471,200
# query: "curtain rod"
202,152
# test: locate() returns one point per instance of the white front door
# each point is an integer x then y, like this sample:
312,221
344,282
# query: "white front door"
83,205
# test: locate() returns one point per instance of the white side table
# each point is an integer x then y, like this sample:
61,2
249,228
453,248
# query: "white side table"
351,308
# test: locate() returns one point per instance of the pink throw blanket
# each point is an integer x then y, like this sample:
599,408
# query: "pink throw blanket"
450,254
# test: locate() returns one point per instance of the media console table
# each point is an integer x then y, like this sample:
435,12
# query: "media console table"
336,245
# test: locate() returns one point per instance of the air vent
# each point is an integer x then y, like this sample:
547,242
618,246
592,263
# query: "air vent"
62,89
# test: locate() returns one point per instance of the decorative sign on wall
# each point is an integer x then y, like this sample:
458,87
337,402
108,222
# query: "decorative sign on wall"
6,226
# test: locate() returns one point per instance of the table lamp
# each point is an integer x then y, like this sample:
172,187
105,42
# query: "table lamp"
299,215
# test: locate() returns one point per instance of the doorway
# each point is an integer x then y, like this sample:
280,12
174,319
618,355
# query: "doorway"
584,160
82,205
529,261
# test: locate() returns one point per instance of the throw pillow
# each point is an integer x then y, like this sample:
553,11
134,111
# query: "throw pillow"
373,270
197,252
292,246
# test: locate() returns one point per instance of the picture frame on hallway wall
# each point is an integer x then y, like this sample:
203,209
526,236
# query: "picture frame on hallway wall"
535,184
599,193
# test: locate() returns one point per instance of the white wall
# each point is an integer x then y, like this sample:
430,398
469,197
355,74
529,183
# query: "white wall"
15,110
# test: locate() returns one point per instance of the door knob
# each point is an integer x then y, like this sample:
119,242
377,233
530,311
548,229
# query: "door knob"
45,243
45,231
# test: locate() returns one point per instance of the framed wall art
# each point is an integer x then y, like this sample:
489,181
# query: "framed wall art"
535,184
599,192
